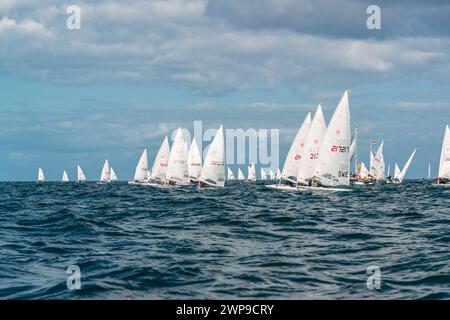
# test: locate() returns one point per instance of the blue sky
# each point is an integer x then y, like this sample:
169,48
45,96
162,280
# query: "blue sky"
137,70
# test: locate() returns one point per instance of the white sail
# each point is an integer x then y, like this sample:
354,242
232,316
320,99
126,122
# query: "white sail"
444,163
41,176
278,176
333,167
106,173
352,148
308,161
263,174
65,177
240,174
290,168
194,161
213,170
141,172
372,165
397,172
113,175
429,171
251,172
230,174
159,168
388,171
80,174
271,174
406,167
379,163
177,166
363,172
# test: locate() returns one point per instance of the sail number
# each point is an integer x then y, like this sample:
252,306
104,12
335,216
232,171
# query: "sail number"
313,156
343,174
341,149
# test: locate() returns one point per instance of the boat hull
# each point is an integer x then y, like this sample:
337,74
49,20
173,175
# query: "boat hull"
326,189
281,187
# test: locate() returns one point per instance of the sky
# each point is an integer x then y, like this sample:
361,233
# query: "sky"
137,70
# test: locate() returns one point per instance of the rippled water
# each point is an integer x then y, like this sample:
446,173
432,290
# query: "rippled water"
244,241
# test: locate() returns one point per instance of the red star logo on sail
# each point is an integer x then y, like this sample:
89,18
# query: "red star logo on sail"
297,157
338,132
316,141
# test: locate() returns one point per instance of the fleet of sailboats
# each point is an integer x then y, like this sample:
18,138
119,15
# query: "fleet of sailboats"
318,159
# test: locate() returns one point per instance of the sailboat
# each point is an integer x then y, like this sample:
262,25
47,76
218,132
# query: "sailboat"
271,174
251,173
213,170
114,177
141,171
429,171
240,175
105,177
263,174
388,170
378,163
400,175
80,174
333,167
177,166
159,169
65,177
308,162
230,174
41,176
443,178
364,177
291,164
278,176
194,162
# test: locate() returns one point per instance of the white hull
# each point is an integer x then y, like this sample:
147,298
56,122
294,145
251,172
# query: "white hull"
306,188
281,187
445,185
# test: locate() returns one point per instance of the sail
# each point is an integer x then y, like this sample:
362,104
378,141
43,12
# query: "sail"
141,172
308,162
159,168
379,162
372,165
41,176
444,163
194,161
240,174
65,177
251,172
113,175
405,168
213,170
263,174
177,166
363,173
106,173
333,167
397,172
230,174
80,174
278,176
271,174
352,148
429,171
388,170
290,168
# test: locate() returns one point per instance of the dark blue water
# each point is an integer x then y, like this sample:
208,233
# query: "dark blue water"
244,241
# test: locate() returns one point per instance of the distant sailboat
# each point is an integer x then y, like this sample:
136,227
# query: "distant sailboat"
113,175
444,163
177,165
251,173
194,162
240,175
230,174
65,177
388,170
213,170
263,174
105,177
80,174
159,169
333,167
278,176
364,177
400,175
41,176
271,174
141,171
379,163
429,171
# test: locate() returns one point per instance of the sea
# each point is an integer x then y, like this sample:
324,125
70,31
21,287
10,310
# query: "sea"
120,241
